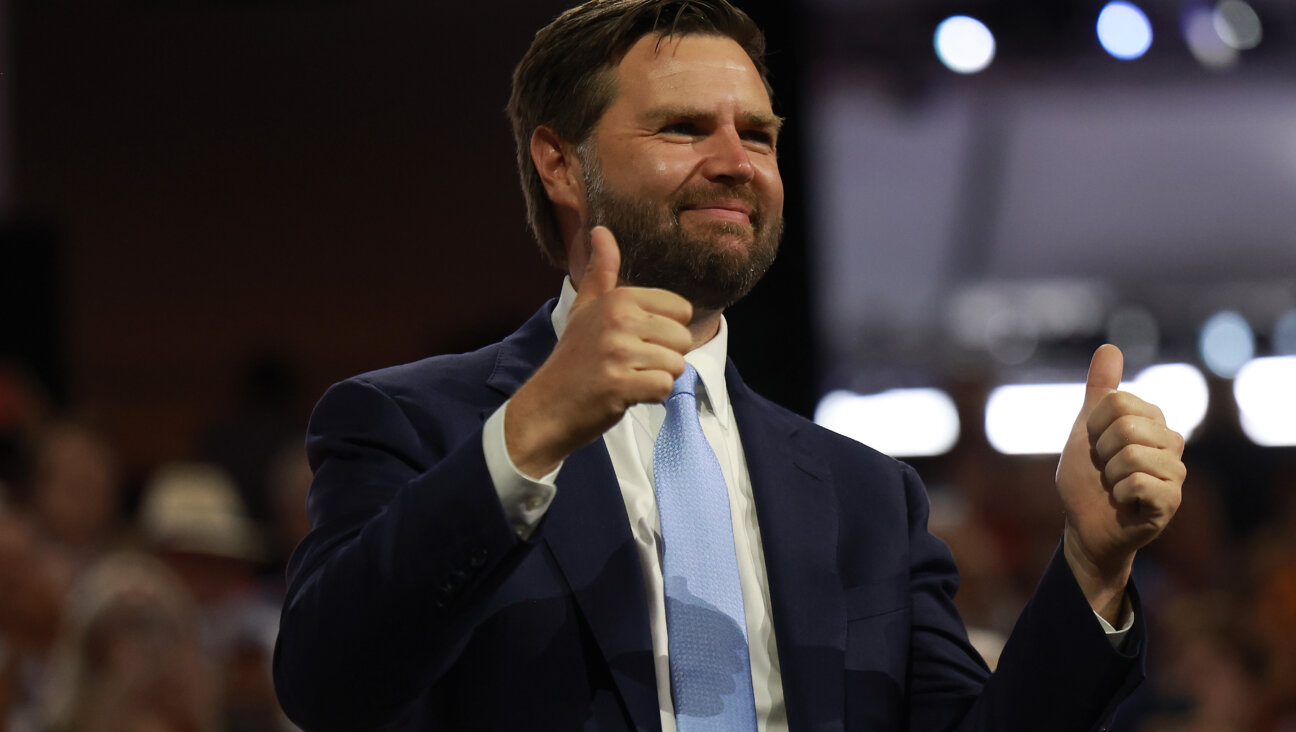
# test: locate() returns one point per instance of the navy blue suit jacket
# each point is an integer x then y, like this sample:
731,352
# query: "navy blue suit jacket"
413,605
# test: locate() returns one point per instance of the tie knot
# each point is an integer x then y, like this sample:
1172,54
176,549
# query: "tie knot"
687,382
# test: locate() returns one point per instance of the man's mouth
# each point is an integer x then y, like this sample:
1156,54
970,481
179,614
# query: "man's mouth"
732,210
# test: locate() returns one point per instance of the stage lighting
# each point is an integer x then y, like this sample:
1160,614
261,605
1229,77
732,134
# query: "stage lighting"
1226,343
898,422
1238,25
1202,36
1124,31
964,44
1265,390
1036,419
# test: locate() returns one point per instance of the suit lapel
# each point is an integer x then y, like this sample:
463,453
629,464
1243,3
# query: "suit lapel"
587,529
797,511
589,536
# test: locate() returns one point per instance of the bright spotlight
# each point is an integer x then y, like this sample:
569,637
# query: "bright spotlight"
1226,343
1238,25
1124,31
1036,419
964,44
1265,390
898,422
1032,419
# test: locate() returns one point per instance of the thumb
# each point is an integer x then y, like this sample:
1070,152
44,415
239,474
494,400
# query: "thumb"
1104,377
603,267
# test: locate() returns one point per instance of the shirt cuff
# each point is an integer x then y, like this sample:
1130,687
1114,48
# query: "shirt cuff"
526,500
1117,636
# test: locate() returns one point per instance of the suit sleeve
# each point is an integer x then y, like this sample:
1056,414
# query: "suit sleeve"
409,536
1058,670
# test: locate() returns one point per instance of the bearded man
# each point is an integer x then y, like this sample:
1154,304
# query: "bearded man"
525,537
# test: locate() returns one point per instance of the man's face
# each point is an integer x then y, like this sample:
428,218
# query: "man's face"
682,169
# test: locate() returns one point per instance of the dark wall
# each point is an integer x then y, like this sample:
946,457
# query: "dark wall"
330,181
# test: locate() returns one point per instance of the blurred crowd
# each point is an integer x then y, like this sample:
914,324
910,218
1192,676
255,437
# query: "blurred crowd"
151,604
147,603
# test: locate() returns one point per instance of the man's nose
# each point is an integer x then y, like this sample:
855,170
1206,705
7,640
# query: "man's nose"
727,159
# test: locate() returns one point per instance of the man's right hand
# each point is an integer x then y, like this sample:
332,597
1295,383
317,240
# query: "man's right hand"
622,346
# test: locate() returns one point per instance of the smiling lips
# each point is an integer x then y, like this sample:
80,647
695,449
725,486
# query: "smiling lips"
724,210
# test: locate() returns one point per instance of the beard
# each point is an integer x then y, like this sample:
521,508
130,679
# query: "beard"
704,269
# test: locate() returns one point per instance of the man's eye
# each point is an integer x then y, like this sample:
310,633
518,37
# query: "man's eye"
758,136
681,128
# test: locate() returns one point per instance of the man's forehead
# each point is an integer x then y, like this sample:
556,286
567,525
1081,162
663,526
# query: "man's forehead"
672,49
666,62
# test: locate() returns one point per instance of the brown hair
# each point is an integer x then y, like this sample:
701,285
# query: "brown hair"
565,80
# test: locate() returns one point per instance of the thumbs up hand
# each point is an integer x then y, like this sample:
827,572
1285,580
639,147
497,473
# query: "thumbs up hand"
621,346
1119,477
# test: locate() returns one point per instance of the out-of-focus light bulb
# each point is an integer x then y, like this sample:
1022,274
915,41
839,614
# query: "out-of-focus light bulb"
1238,25
1203,39
1226,343
1265,390
964,44
1124,31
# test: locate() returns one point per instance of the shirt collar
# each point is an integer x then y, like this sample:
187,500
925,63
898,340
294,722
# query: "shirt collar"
708,359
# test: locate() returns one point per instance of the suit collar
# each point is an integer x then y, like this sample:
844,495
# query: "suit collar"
521,353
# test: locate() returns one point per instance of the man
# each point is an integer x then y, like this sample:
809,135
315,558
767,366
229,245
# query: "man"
487,551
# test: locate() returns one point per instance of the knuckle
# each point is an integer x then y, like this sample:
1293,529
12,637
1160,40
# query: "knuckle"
1143,483
609,372
1130,455
1127,428
619,316
615,350
1121,401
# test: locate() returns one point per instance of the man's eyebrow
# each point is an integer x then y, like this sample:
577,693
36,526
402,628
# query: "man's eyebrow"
772,122
658,115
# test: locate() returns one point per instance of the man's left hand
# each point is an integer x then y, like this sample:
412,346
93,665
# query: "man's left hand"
1120,479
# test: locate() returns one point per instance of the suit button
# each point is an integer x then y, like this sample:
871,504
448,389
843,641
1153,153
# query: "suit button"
478,557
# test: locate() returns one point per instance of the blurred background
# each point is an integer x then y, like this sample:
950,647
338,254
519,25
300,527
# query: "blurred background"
211,210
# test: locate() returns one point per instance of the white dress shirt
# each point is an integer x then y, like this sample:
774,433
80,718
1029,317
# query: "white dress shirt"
630,445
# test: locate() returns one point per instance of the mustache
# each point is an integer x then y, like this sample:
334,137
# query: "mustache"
706,195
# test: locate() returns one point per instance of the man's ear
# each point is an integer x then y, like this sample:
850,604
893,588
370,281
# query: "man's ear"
559,167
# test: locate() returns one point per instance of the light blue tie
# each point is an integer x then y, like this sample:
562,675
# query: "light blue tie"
710,672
